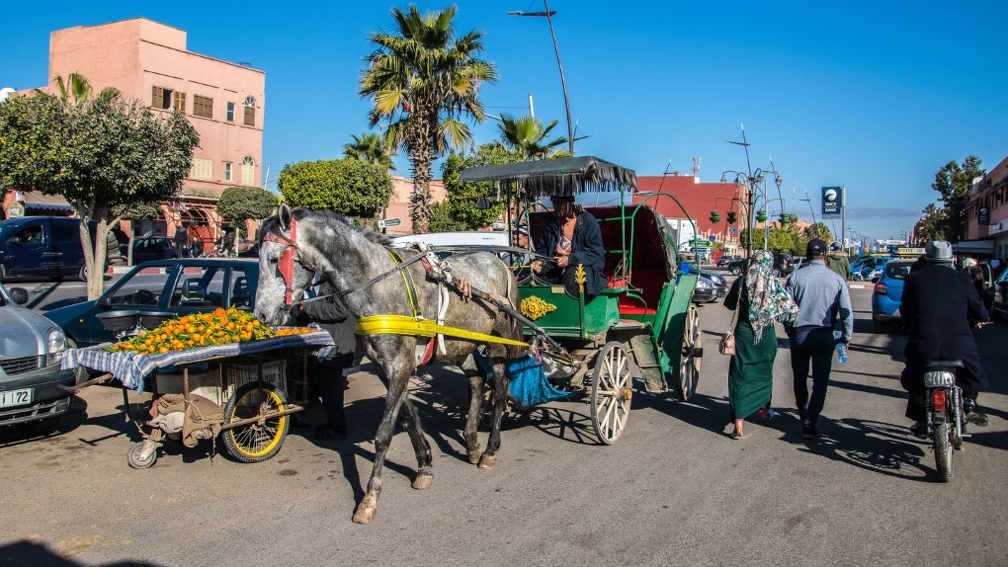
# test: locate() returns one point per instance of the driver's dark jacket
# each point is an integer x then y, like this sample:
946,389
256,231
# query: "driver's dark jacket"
937,305
586,249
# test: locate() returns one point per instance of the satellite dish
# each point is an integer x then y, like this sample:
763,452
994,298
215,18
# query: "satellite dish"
6,92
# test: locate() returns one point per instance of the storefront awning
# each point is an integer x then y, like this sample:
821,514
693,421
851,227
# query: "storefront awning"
974,247
35,201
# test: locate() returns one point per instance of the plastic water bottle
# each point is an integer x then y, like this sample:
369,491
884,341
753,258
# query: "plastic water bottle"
841,348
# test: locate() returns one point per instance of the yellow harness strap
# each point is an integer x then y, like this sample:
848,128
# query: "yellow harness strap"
410,326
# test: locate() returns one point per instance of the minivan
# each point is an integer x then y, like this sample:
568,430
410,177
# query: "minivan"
41,248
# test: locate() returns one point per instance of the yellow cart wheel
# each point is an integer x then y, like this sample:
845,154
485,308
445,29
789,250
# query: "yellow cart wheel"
261,439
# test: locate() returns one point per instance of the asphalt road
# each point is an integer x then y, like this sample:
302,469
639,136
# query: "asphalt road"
675,489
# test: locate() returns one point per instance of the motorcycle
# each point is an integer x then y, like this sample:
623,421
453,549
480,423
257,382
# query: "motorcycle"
946,419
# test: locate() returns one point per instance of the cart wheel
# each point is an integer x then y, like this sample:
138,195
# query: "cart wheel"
692,354
611,392
136,458
260,440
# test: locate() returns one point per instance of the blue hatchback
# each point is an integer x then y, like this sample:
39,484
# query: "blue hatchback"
888,293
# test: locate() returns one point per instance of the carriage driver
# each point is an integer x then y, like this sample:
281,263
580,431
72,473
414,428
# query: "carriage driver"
571,237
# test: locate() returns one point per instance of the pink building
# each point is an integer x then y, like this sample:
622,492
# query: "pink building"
224,101
987,214
398,207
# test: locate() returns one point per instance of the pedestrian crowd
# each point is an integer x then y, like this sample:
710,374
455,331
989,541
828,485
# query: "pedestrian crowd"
940,307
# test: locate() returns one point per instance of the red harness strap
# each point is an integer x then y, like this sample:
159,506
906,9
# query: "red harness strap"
286,261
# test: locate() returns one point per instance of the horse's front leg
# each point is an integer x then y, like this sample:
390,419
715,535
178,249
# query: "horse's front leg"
411,421
489,458
368,507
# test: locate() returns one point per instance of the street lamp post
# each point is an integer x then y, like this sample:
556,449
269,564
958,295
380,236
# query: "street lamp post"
563,82
752,179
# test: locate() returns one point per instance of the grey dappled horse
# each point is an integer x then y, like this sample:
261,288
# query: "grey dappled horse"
297,244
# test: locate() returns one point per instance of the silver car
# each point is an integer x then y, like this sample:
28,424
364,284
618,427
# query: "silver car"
32,393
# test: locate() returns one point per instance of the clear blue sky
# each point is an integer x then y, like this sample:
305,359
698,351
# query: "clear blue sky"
875,96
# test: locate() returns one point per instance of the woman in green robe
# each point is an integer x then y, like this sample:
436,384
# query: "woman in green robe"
761,300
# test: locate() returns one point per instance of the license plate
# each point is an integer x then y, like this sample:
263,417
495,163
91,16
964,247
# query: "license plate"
13,398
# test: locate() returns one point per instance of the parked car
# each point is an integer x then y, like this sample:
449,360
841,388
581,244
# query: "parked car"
705,291
870,269
33,248
725,260
888,293
719,282
999,301
159,290
31,349
153,248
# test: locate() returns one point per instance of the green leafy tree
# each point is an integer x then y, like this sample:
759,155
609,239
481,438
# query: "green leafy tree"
371,148
818,230
98,154
953,182
932,224
526,137
239,204
348,186
76,89
459,206
422,82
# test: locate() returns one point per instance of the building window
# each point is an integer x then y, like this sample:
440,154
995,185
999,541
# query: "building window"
202,106
178,102
167,99
227,170
248,172
230,112
202,169
250,108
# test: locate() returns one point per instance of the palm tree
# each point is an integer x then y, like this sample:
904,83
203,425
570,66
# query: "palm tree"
422,82
78,90
527,136
370,148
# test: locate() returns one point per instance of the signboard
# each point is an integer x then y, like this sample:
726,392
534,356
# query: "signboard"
385,223
15,209
832,202
983,217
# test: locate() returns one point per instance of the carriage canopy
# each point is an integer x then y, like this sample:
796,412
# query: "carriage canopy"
564,176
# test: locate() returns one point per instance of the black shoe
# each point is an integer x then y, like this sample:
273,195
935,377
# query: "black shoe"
973,413
809,432
328,431
919,430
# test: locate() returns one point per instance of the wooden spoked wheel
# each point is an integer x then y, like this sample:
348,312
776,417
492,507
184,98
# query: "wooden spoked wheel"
692,354
611,392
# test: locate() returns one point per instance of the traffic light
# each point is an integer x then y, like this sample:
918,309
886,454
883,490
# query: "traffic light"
732,217
715,217
761,215
784,219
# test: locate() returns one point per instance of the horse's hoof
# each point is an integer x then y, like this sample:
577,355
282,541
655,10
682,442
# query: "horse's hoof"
474,456
366,511
488,461
423,482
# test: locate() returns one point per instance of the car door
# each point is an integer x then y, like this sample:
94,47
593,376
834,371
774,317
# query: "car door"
27,255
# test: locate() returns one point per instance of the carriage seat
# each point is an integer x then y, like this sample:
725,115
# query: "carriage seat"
646,286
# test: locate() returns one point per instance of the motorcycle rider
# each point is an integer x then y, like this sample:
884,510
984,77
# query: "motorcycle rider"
937,306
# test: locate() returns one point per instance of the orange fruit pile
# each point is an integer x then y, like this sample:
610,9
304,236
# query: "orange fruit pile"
222,326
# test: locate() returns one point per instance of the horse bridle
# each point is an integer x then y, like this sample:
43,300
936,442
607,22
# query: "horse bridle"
286,261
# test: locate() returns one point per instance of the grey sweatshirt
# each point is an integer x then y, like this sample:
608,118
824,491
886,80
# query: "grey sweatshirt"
821,296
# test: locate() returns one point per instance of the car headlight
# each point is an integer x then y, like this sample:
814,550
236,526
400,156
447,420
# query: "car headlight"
702,284
55,346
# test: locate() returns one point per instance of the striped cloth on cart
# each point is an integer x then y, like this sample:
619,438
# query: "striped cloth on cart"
130,368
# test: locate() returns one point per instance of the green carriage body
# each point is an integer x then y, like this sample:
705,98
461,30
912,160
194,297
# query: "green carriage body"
646,307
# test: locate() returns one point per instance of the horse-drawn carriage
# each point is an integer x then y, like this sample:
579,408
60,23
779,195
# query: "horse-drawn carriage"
641,326
417,308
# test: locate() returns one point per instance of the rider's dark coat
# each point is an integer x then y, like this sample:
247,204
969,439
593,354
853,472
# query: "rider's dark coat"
586,249
937,306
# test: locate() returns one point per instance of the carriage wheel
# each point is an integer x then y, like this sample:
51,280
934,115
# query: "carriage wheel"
611,392
692,354
261,440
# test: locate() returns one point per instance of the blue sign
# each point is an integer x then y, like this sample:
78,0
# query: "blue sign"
833,202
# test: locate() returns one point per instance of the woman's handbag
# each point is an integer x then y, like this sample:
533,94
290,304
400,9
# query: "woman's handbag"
727,344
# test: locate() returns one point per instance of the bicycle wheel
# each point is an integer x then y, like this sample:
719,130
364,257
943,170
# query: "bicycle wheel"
943,449
261,439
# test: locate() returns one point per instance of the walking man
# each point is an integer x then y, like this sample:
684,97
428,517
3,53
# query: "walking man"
837,261
822,297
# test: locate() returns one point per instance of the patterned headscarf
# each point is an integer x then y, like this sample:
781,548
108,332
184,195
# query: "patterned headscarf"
768,300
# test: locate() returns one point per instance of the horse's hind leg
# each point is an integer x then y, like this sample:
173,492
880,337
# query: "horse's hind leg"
368,507
476,387
411,421
489,458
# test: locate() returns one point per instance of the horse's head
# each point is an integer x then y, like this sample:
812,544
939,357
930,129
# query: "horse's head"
282,277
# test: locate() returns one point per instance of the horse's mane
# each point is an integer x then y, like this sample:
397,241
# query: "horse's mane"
271,225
